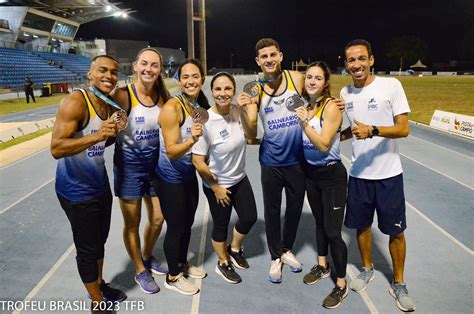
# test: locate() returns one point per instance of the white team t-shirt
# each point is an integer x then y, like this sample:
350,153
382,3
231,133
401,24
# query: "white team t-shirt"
375,104
224,142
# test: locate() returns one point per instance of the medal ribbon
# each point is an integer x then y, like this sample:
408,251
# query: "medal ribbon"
106,99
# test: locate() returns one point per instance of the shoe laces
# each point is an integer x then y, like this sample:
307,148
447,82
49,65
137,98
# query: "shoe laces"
181,279
290,255
337,292
241,251
145,275
400,289
318,269
365,274
276,265
229,267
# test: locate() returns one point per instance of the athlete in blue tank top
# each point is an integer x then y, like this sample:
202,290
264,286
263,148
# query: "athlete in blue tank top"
175,181
82,130
281,153
135,158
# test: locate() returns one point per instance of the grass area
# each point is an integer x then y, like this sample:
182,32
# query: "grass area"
428,93
19,104
24,138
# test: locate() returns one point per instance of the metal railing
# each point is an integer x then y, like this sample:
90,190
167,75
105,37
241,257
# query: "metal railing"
31,47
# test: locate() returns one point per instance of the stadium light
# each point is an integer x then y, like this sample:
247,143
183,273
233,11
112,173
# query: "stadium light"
26,34
117,14
124,15
108,8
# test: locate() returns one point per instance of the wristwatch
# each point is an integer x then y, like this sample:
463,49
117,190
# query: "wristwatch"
375,131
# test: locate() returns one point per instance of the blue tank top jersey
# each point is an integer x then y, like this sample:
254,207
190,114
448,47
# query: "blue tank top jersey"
139,142
83,177
175,171
314,156
282,143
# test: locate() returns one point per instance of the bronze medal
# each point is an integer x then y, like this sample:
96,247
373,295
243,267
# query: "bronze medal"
200,115
121,120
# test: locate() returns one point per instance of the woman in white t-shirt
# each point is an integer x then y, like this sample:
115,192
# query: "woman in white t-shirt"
219,157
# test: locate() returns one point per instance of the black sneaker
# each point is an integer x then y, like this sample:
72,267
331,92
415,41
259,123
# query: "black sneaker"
334,299
228,273
237,258
111,294
317,273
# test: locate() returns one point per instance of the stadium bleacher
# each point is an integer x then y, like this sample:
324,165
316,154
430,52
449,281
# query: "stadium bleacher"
16,64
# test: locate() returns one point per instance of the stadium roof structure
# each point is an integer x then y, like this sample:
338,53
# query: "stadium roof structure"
80,11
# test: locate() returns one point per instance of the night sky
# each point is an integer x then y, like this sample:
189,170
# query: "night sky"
310,30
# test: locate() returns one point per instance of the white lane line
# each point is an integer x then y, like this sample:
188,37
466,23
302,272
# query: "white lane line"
431,222
445,148
364,295
202,249
23,159
444,232
439,172
48,275
27,195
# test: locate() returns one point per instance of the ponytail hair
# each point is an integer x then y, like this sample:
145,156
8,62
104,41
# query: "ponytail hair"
201,99
160,85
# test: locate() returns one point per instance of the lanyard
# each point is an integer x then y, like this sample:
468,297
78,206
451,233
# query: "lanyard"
194,105
105,98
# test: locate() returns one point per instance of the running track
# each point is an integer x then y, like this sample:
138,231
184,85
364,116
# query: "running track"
37,256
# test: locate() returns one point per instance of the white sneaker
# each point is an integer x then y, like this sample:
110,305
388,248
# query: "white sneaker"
193,271
181,285
289,259
275,271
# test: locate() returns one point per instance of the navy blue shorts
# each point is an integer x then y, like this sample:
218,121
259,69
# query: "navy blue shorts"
132,182
384,196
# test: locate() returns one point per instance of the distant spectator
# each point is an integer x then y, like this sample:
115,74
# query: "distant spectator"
60,63
51,62
29,88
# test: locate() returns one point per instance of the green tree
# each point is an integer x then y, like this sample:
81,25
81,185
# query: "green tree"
404,51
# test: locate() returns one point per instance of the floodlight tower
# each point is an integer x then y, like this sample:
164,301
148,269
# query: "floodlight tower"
200,17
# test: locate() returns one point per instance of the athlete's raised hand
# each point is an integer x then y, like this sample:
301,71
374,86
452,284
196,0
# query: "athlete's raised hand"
196,131
244,99
107,129
302,114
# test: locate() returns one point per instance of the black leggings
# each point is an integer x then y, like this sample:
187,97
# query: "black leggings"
243,200
274,179
178,203
90,223
327,189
